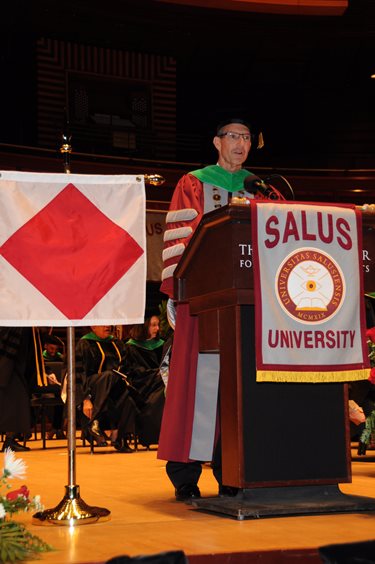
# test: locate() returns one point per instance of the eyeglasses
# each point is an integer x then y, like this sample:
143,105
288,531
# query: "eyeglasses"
232,136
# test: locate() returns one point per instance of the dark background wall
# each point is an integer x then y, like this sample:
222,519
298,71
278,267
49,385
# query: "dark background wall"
303,80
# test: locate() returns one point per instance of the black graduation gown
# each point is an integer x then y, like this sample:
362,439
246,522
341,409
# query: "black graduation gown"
17,362
142,369
96,379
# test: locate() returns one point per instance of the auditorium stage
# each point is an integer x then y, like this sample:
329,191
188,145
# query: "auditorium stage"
145,519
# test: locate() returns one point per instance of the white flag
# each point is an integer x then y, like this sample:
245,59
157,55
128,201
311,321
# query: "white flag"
72,249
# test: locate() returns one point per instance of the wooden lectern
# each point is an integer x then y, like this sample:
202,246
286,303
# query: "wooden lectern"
287,446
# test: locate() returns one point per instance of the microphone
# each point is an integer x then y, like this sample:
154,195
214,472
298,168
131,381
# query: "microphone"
253,184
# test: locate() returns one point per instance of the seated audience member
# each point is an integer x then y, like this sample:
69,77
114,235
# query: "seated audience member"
51,354
143,355
22,373
51,351
105,395
16,360
362,392
370,309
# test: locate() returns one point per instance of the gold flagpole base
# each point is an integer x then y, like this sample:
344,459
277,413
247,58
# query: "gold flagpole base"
71,511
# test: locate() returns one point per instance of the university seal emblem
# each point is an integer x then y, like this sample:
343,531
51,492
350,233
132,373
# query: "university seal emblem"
310,286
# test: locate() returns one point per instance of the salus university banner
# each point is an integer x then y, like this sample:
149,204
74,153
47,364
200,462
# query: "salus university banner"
72,249
310,319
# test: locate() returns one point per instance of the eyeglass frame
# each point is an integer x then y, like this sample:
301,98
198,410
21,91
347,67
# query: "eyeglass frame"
232,136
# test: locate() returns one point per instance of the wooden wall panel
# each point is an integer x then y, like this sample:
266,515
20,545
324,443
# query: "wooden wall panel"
59,60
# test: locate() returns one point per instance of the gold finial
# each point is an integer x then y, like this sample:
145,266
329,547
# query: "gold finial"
154,179
66,146
66,149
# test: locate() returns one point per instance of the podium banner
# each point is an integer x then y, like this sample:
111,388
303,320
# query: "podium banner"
310,317
72,249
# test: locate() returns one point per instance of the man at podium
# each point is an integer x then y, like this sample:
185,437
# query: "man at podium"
190,430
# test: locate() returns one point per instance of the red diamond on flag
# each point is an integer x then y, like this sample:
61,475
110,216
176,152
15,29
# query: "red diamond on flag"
71,252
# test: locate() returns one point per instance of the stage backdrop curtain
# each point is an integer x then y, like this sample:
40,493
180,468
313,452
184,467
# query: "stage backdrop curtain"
72,249
310,318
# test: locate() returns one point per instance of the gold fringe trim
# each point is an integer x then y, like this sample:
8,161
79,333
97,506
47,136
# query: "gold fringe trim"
313,377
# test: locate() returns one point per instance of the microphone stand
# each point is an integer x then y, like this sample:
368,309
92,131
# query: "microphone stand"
284,179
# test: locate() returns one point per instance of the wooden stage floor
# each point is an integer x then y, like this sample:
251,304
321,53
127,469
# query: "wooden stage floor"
145,518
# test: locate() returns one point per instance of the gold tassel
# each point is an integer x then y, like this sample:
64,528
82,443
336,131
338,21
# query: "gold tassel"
260,140
41,374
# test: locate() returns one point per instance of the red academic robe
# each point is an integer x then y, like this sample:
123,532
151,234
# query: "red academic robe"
189,203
